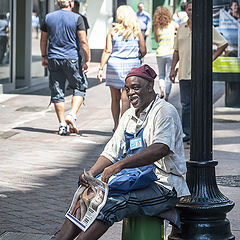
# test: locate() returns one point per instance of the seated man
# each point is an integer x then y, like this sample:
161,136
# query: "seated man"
148,133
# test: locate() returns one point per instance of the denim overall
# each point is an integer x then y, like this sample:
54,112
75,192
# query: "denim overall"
132,178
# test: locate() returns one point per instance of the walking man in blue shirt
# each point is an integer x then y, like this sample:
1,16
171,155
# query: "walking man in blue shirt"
144,20
64,32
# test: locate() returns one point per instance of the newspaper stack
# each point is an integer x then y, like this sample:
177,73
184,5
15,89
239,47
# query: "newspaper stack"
87,202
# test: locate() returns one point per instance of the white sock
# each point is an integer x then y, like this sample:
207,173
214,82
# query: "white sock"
63,124
73,114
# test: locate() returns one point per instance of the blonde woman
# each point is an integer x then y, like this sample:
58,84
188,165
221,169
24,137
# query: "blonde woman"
124,48
164,29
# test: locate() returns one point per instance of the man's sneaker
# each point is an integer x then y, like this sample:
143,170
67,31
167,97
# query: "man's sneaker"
71,122
62,130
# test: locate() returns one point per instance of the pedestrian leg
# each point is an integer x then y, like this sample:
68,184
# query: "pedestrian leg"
125,102
95,231
185,92
115,105
60,109
68,231
161,62
76,104
167,79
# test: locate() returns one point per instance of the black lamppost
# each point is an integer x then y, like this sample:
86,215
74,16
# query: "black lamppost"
203,214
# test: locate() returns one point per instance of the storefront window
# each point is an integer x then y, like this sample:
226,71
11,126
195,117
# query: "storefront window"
5,41
38,13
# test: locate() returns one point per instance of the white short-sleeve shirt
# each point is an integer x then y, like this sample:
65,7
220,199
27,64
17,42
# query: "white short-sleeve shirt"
161,124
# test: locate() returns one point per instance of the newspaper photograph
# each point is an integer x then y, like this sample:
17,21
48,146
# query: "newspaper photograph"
87,202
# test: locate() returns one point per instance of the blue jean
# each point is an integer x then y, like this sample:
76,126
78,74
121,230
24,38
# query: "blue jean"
185,95
164,67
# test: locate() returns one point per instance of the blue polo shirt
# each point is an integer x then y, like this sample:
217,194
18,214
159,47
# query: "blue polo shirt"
144,20
62,26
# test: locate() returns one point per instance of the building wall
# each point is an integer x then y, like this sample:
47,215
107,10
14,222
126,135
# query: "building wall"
100,21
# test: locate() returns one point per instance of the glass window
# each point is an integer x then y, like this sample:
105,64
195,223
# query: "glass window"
5,41
38,13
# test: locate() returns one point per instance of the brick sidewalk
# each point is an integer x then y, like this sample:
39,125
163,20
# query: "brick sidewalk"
39,169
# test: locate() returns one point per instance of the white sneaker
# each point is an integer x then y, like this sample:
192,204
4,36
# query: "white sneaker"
62,130
71,122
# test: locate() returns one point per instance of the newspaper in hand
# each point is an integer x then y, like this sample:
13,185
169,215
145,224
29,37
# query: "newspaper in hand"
87,202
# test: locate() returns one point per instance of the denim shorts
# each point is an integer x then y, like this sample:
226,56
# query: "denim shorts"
62,69
149,201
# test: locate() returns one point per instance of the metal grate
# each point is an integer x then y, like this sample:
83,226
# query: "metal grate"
24,236
229,180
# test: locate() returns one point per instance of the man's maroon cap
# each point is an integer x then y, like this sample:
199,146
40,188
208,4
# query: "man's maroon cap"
144,72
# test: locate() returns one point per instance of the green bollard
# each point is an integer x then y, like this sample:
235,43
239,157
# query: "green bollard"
143,228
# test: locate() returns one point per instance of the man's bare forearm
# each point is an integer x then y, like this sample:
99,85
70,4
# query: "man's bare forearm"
84,45
43,43
147,156
99,166
175,59
86,51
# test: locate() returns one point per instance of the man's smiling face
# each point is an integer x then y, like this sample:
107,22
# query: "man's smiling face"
139,92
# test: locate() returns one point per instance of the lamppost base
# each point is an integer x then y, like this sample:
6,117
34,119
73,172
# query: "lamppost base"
203,213
203,230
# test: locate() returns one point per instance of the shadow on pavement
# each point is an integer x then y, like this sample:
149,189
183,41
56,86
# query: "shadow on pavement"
30,129
81,133
40,207
42,89
94,132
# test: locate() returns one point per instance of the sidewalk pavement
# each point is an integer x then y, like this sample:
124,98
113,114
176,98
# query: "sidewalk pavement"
39,169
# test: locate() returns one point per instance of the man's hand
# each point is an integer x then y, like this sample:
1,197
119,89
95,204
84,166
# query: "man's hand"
44,62
85,66
173,75
109,171
82,180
